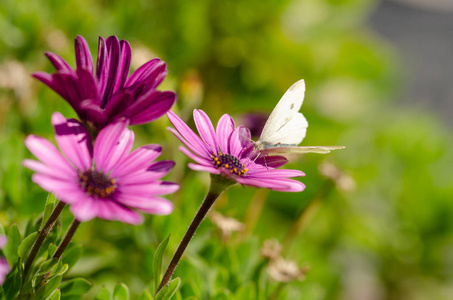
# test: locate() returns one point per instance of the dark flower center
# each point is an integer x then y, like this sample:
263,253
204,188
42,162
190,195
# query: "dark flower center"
97,184
229,162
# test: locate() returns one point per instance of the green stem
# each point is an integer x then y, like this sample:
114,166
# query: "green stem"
41,237
64,244
68,237
218,185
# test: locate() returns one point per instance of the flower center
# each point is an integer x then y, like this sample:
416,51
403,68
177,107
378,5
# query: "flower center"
229,162
97,184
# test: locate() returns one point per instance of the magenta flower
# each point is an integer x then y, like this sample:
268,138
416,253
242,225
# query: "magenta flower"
227,150
105,94
105,181
4,266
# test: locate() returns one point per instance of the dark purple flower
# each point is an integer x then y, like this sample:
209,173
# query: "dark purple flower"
105,180
104,94
226,151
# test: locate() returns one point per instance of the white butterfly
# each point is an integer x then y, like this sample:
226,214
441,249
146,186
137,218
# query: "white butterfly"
286,126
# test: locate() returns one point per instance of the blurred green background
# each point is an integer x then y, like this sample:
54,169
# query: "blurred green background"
381,228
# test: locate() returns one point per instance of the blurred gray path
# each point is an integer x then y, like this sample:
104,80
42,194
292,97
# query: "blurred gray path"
423,35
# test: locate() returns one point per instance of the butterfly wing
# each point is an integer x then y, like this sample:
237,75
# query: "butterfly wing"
300,149
285,124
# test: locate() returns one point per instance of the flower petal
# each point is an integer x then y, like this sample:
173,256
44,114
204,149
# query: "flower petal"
201,168
205,129
74,140
111,144
225,128
192,140
150,107
47,153
83,54
139,159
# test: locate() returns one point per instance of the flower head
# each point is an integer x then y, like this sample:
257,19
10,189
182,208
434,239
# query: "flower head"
226,151
104,94
4,266
105,180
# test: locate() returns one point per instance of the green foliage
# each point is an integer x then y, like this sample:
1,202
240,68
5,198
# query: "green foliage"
167,292
157,262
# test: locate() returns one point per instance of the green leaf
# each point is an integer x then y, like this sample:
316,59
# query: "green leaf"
104,294
246,292
47,288
157,262
12,283
12,246
55,295
76,286
169,290
51,250
26,245
120,292
72,255
48,209
60,269
46,267
145,295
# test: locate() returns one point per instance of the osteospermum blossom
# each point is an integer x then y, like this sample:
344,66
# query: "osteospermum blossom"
105,180
104,94
227,151
4,266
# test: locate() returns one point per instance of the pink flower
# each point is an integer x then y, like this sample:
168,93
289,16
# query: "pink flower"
4,266
227,150
104,94
105,181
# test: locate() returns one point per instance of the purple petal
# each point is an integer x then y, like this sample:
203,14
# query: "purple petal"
112,144
112,63
158,188
139,159
85,209
83,54
192,140
102,66
48,171
274,161
60,64
151,205
73,140
284,185
201,168
162,166
225,128
123,66
205,129
93,112
245,137
117,105
110,210
87,85
196,158
150,107
63,189
276,173
146,75
48,154
235,144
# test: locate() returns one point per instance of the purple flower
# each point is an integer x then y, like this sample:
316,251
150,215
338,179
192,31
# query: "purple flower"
227,150
104,180
105,94
4,266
